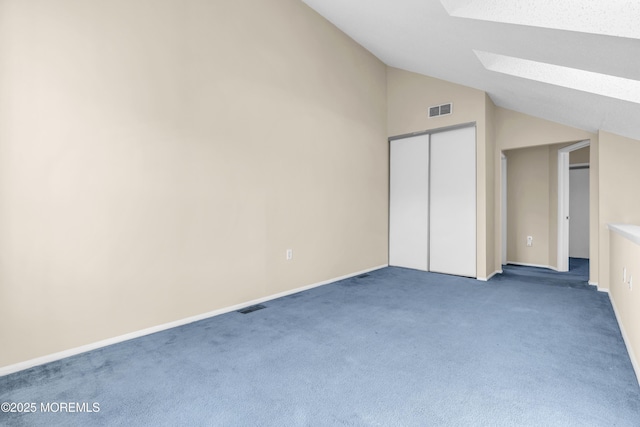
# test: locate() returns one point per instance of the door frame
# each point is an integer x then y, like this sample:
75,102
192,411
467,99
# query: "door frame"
503,206
430,133
563,203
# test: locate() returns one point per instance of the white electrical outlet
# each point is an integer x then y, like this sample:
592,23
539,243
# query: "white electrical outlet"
529,240
289,254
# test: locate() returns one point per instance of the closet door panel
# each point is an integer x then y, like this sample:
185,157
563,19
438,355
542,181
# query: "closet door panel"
453,202
409,202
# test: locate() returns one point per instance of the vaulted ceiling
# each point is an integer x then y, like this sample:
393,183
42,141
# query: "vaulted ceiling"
576,62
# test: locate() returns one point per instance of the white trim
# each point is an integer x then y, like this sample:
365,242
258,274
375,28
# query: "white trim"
628,231
503,206
563,203
563,210
634,361
486,279
525,264
605,290
10,369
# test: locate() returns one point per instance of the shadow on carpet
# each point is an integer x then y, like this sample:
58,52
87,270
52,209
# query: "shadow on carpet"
577,277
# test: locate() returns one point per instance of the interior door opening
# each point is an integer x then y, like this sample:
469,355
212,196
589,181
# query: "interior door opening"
579,211
564,203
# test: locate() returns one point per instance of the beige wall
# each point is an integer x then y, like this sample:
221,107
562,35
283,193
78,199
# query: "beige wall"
626,301
528,205
580,156
533,203
158,158
409,95
619,176
517,130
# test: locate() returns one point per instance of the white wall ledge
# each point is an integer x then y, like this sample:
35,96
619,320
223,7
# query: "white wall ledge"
630,231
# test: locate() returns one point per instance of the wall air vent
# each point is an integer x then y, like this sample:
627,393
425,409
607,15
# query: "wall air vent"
440,110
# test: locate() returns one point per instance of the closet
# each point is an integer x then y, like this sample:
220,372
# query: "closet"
432,202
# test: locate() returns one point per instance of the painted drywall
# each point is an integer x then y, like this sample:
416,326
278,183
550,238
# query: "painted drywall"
528,205
580,157
158,158
409,95
518,130
619,176
623,291
533,204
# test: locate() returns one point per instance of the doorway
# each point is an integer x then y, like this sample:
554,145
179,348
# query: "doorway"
564,191
579,210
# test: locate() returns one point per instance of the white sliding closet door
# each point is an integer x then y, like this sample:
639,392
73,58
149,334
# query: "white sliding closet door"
409,202
453,202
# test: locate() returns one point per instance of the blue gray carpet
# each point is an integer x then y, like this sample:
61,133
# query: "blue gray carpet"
396,348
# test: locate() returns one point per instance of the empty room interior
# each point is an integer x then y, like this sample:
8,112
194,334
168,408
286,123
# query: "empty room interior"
319,212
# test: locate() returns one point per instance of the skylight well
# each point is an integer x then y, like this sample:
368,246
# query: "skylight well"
573,78
618,18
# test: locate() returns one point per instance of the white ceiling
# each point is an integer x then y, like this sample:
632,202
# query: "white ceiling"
420,36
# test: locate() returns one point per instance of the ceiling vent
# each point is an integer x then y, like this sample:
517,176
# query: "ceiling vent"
440,110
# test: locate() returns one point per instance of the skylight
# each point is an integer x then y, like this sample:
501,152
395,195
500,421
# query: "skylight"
573,78
607,17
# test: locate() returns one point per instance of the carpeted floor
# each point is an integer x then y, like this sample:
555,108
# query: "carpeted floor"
577,276
396,348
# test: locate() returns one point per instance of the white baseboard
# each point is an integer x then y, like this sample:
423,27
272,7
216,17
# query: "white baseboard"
597,285
486,279
634,361
10,369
